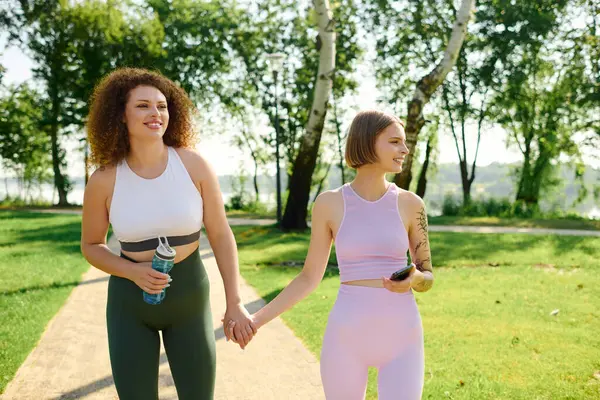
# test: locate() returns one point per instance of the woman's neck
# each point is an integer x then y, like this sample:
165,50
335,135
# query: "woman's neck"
370,183
147,156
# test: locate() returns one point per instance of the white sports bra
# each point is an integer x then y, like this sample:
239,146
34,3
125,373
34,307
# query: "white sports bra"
142,209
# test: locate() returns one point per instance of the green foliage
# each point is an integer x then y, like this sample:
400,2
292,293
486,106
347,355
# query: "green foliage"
237,203
500,207
24,146
198,38
247,136
523,65
18,201
491,207
288,27
450,207
74,44
410,38
241,199
543,105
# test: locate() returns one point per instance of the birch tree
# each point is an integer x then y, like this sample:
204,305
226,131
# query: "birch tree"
305,162
428,85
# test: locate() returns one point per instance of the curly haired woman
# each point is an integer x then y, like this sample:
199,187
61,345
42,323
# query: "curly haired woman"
151,182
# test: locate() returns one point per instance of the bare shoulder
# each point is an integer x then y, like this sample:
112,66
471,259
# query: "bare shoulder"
196,164
408,200
102,180
99,190
190,156
329,200
329,208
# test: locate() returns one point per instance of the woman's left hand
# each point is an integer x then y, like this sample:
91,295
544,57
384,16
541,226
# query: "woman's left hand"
238,326
403,286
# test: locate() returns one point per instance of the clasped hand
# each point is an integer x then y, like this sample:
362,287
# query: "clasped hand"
238,325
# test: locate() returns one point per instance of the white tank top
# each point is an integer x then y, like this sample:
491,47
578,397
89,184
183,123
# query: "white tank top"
169,205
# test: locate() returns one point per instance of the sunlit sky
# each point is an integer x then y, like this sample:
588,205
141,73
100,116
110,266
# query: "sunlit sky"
226,158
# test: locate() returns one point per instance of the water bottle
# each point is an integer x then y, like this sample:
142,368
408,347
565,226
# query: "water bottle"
163,261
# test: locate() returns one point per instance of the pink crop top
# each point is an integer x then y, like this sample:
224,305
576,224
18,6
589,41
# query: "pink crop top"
371,241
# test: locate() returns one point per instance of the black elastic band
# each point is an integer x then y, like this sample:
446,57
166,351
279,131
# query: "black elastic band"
128,258
152,244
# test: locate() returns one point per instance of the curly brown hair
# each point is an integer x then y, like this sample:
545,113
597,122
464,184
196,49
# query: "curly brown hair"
107,133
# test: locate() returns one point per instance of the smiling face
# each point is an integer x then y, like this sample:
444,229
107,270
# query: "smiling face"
391,149
376,139
146,113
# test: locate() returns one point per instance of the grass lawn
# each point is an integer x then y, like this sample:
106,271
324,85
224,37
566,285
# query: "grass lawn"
5,207
488,329
41,264
250,215
557,223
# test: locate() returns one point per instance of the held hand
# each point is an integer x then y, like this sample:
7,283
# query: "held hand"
149,280
238,325
404,285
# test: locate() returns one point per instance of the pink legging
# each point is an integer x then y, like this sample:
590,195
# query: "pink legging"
373,327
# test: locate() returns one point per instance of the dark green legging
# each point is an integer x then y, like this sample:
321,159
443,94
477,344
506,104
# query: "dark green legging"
185,319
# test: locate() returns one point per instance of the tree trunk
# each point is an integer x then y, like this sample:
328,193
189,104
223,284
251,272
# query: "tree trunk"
338,131
255,180
524,192
530,182
86,163
427,86
321,182
482,114
59,179
466,182
305,162
422,184
60,182
254,155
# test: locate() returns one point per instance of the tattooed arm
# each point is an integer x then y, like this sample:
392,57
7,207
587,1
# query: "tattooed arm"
420,252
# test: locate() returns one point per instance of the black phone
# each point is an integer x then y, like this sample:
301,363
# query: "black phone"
402,274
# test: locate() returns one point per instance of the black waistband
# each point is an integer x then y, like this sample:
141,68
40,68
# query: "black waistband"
152,244
127,258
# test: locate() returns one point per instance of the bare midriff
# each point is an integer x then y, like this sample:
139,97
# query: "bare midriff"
182,252
376,283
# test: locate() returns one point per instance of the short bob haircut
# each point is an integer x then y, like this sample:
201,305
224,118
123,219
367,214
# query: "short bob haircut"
108,136
363,132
